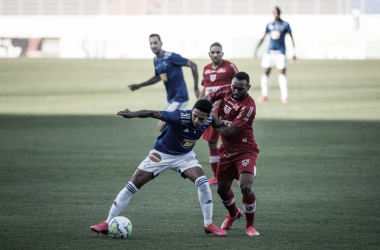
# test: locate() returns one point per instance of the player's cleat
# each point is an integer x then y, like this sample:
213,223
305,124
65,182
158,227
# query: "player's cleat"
238,182
262,99
229,220
102,228
285,101
212,181
251,231
212,229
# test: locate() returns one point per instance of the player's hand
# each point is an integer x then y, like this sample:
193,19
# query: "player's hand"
215,121
255,56
294,58
134,86
216,105
126,113
197,93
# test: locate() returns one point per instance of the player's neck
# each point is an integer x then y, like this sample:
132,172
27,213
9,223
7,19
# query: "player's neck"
160,54
217,65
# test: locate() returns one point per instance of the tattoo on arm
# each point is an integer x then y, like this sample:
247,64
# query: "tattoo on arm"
148,113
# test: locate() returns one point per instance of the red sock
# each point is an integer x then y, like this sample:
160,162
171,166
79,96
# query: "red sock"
249,204
214,154
229,202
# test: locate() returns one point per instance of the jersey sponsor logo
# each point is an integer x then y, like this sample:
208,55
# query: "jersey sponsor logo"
225,122
229,155
213,77
186,130
245,162
155,157
249,112
270,26
184,122
226,109
274,34
190,158
185,116
244,140
163,76
211,89
208,71
188,143
221,70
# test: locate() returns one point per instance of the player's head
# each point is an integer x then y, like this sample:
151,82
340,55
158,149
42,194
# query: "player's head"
155,43
276,13
240,85
201,112
216,53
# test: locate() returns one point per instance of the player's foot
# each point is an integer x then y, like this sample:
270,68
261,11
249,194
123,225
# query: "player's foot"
102,228
262,99
212,229
229,220
251,231
285,101
212,181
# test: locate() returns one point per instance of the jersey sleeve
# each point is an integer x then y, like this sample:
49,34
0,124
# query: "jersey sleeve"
288,30
171,117
155,69
267,31
178,60
219,94
245,116
233,70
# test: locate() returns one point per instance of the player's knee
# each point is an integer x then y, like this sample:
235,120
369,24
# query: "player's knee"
246,191
222,192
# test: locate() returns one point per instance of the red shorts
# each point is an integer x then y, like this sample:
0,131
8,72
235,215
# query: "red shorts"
231,168
211,135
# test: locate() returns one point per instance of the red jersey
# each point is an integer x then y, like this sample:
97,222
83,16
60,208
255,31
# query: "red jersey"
241,113
213,78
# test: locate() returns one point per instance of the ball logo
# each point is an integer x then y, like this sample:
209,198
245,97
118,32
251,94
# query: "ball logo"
155,157
245,162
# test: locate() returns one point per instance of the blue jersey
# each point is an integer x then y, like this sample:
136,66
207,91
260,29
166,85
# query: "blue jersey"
169,68
179,134
277,32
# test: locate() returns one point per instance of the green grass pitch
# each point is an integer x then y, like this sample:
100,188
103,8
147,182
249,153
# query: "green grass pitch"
65,155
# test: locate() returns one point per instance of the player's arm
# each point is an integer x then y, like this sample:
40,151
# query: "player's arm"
194,71
229,131
151,81
215,121
294,54
259,44
140,114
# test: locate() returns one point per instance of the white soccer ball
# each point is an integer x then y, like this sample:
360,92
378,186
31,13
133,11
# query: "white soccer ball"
120,227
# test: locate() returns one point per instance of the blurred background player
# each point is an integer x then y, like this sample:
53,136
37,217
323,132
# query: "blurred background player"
168,67
275,56
172,150
238,152
216,74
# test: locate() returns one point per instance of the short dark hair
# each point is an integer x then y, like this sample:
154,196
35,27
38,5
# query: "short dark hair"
216,44
203,105
278,9
242,76
155,35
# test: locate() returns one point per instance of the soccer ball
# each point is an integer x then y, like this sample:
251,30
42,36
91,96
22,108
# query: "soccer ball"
120,227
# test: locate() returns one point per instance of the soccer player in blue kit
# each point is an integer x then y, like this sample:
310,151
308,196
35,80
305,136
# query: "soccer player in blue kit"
168,67
275,56
172,150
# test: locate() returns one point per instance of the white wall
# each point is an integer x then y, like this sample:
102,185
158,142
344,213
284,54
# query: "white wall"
316,36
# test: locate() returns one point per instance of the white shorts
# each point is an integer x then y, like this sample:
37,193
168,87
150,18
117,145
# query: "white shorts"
158,163
172,106
274,57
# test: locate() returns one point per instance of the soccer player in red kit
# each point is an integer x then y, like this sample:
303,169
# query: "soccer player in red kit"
238,153
216,74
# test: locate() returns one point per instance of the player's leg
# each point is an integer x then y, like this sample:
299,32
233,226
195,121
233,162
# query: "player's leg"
282,64
266,64
228,199
214,158
189,168
139,178
247,169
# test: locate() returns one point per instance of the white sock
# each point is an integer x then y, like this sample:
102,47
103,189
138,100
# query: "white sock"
283,82
205,198
264,84
121,200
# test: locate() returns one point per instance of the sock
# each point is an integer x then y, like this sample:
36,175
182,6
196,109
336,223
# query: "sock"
214,158
229,202
205,198
283,82
264,84
121,200
249,204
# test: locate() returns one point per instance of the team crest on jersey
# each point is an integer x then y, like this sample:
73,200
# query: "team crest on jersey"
245,162
227,109
213,78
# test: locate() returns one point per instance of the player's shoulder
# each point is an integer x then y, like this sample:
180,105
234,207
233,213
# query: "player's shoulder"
208,66
167,54
284,23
